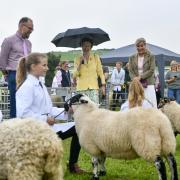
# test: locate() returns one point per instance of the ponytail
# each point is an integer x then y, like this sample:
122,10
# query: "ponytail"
24,66
136,94
21,72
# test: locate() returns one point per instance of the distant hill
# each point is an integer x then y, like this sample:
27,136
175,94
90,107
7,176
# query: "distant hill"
70,55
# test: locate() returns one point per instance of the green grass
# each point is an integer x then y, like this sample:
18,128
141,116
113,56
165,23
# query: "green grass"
137,169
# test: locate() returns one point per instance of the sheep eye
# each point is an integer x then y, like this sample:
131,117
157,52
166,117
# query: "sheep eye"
83,101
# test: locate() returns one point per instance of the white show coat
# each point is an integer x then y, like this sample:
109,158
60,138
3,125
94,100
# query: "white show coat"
32,100
145,104
117,79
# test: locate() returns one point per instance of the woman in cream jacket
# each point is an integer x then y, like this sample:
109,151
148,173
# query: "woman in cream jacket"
142,67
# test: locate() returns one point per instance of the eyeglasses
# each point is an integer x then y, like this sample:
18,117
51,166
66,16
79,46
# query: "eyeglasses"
30,28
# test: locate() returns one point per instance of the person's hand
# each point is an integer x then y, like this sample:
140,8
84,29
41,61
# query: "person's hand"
70,110
171,80
74,82
50,121
4,72
137,78
82,60
174,78
103,88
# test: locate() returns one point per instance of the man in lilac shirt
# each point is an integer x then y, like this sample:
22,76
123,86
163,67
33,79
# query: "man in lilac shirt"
12,49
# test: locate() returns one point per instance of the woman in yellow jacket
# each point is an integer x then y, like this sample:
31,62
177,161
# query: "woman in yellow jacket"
87,68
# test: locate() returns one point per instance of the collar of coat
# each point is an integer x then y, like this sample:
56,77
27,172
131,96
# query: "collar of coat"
146,57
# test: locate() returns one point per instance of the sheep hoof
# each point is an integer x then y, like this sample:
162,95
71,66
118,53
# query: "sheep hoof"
102,173
95,178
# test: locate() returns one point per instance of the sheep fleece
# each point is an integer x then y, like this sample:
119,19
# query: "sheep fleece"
128,135
29,150
172,111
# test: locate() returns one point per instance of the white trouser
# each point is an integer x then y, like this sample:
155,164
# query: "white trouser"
150,94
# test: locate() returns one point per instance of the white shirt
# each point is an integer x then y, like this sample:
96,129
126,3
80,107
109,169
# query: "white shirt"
140,64
32,100
117,79
145,104
57,79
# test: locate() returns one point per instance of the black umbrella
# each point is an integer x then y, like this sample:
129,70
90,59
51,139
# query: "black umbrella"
73,37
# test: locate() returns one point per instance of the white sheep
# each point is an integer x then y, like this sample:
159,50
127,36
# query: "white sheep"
29,150
172,110
145,133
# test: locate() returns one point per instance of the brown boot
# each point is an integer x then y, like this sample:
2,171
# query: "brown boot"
74,168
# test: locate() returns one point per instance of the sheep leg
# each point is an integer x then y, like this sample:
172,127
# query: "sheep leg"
95,168
101,161
173,167
160,166
176,133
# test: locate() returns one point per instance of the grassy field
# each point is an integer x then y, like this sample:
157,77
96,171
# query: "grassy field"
137,169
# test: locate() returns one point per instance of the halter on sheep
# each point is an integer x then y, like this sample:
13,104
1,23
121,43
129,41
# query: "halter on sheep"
145,133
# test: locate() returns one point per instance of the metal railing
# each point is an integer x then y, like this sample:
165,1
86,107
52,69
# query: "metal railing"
4,102
59,95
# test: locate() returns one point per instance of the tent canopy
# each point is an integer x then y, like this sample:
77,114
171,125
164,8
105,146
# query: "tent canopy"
162,56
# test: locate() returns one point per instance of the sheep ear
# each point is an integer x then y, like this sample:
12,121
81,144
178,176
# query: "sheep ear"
82,101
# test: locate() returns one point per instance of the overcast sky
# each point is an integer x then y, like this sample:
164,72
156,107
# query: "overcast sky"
158,21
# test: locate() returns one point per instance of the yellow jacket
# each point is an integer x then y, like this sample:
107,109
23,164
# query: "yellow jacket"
88,74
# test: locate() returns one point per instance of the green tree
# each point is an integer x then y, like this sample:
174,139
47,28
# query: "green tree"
53,61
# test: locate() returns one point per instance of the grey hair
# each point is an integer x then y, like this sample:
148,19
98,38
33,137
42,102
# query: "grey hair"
139,40
173,62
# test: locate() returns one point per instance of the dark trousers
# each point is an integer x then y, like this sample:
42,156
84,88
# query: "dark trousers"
116,96
158,96
12,91
175,94
75,146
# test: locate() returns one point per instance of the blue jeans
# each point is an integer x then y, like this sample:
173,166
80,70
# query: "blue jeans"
12,91
174,93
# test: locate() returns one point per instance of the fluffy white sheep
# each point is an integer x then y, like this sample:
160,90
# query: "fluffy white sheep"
29,150
172,110
145,133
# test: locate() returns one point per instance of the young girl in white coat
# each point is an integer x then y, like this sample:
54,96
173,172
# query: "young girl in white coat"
33,100
136,97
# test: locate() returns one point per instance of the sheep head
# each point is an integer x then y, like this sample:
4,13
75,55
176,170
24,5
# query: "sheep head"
73,100
164,101
77,100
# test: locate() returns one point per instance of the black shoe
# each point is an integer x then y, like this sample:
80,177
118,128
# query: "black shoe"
74,168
